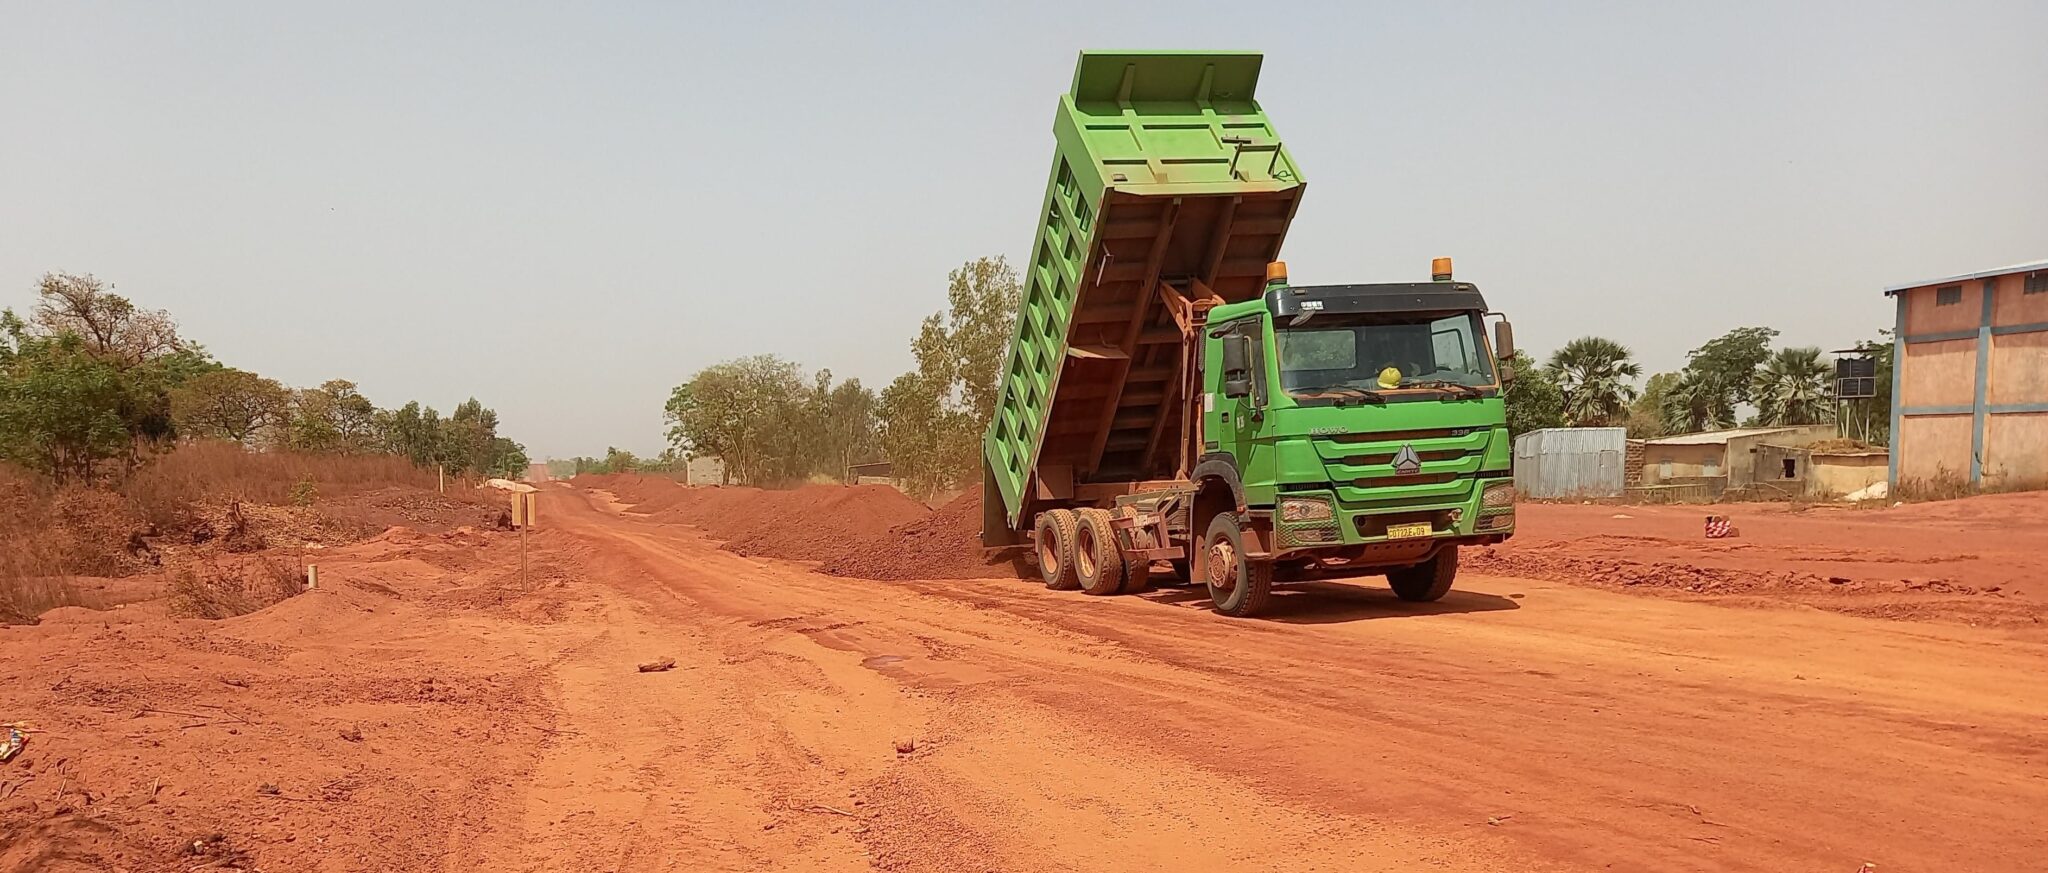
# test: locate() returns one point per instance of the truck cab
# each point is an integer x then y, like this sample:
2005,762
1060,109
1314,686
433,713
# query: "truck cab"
1359,430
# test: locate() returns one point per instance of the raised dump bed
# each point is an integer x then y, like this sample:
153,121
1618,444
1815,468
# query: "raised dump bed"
1168,183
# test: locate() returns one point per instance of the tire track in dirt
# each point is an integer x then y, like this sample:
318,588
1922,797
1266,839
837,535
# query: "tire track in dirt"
997,781
1596,723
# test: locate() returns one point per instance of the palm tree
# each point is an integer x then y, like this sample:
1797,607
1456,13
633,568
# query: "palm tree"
1597,377
1793,387
1698,401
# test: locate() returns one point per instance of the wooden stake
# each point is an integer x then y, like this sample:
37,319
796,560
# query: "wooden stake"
312,577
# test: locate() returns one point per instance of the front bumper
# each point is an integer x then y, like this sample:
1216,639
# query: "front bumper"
1484,514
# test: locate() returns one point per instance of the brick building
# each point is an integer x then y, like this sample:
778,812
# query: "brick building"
1970,389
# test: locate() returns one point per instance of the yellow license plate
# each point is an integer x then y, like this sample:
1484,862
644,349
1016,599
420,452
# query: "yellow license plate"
1404,531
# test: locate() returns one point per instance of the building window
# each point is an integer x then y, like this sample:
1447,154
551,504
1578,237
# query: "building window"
1791,470
1948,295
2037,283
1711,467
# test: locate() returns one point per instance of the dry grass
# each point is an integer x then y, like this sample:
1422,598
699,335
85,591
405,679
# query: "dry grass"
1950,485
32,580
212,588
200,472
46,534
29,561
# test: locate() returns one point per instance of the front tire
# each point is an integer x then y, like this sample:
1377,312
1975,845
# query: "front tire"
1428,581
1239,587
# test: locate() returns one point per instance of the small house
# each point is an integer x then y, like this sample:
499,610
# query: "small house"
1743,460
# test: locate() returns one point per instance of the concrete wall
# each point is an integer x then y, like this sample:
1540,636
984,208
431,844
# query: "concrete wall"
705,470
2016,450
1661,464
1972,386
1836,475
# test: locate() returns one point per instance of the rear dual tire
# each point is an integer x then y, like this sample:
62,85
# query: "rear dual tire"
1053,538
1077,549
1099,564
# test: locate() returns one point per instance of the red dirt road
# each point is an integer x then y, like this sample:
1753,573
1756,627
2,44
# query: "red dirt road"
1517,725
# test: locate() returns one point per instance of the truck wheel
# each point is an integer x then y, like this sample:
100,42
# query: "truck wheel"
1239,587
1098,563
1137,575
1427,581
1055,546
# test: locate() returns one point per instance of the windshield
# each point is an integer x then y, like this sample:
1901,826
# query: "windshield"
1382,351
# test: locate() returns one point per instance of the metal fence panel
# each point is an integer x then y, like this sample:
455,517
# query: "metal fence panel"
1571,462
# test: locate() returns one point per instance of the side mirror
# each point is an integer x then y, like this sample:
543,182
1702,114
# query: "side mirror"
1507,374
1503,340
1237,387
1237,355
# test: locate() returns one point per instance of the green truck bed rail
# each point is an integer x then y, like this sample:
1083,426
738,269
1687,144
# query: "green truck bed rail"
1166,172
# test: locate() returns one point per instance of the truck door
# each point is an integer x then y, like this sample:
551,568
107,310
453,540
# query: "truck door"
1235,382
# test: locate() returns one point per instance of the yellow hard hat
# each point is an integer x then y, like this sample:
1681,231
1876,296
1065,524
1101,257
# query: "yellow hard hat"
1390,377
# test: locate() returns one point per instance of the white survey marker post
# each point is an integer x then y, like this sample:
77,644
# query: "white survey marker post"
525,512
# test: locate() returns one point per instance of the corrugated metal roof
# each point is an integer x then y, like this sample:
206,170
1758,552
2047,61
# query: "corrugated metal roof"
1982,274
1716,437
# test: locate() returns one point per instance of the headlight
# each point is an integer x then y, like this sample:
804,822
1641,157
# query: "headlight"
1498,496
1304,509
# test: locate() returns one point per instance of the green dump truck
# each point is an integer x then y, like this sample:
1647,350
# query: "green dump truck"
1170,397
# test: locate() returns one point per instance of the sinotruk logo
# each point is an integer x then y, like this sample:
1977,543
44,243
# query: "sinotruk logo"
1406,461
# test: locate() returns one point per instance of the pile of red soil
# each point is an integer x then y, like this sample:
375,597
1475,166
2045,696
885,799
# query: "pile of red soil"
820,522
943,545
865,531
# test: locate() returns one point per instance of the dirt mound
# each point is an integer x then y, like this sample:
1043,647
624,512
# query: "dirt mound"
366,514
865,531
943,545
820,522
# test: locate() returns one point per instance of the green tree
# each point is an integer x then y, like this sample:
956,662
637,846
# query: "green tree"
1597,376
1533,399
229,404
141,345
414,432
1697,401
64,411
932,417
1646,415
847,418
1732,358
466,437
1794,387
506,459
334,418
744,411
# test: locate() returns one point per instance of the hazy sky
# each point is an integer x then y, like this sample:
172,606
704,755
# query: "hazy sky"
566,211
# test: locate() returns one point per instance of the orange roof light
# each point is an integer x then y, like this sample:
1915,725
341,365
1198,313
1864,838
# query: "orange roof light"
1276,271
1440,270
